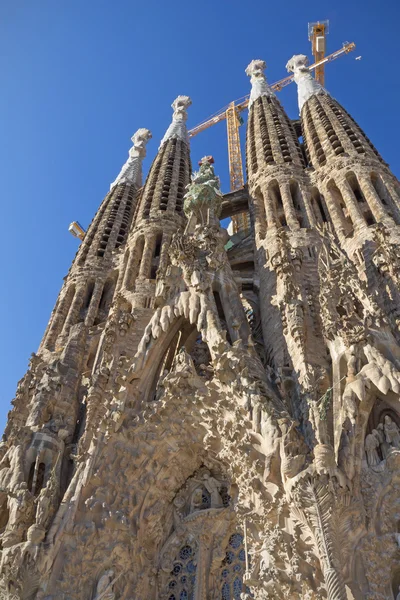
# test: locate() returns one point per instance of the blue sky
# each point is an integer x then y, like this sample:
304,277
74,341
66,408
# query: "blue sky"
79,77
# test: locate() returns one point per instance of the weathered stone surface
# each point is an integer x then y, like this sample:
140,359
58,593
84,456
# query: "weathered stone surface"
216,418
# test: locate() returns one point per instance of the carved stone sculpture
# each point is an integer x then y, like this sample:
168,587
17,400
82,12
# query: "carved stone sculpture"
104,589
213,413
392,433
371,447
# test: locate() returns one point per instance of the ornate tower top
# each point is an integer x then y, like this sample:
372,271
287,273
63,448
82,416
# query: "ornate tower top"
307,86
178,129
259,84
131,172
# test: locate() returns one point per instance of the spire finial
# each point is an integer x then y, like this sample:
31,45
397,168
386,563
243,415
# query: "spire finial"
259,85
307,86
131,171
178,129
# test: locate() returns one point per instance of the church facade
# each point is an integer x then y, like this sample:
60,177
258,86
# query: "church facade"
212,417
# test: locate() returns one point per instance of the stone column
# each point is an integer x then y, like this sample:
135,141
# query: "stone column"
148,251
392,190
336,214
269,207
351,203
76,306
308,205
58,320
203,561
288,206
163,263
130,266
94,303
374,202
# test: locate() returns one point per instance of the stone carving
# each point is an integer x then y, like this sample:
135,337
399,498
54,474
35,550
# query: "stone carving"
307,86
177,129
131,172
214,487
371,447
381,441
232,421
104,589
204,196
255,70
392,434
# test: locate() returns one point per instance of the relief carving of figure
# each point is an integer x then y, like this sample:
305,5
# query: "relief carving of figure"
371,449
392,433
385,447
196,502
214,487
104,589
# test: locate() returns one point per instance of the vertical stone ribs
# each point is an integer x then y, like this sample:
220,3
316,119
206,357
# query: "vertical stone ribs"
275,141
251,154
329,125
312,143
117,221
167,180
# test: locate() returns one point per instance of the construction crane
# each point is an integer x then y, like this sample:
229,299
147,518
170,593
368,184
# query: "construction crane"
233,121
317,36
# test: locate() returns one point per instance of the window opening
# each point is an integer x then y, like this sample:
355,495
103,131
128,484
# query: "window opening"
233,569
182,579
40,478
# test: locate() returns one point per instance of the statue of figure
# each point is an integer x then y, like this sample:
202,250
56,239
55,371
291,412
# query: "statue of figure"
183,362
43,507
214,487
392,433
104,589
196,502
380,435
371,449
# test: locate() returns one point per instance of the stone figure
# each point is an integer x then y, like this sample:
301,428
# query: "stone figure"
104,589
196,502
380,435
371,449
392,433
43,507
214,487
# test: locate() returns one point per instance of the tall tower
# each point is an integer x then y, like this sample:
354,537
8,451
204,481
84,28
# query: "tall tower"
191,430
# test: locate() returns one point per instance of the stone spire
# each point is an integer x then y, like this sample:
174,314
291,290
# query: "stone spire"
259,85
131,171
178,128
307,86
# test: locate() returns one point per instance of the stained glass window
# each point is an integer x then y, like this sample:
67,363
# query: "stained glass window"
183,575
233,568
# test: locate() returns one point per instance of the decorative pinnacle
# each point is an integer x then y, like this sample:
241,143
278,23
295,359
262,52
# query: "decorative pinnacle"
206,160
131,171
178,129
307,86
259,85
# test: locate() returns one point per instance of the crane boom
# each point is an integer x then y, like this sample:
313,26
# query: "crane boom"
278,86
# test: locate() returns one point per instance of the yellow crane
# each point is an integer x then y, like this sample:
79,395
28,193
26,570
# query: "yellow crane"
231,114
317,36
